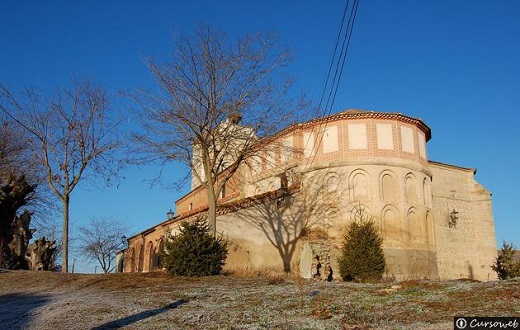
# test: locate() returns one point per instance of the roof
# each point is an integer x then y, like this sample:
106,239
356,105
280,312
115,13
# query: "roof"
228,207
432,162
361,114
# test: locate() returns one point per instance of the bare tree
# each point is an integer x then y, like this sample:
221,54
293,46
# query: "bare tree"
16,159
48,228
21,196
15,194
72,136
13,149
15,190
101,239
217,99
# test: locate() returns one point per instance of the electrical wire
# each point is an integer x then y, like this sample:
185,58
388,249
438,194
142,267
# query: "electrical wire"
338,72
333,55
343,56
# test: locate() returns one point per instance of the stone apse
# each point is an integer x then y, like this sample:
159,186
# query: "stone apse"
287,207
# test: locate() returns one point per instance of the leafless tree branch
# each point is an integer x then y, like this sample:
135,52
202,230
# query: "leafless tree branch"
101,240
73,137
217,99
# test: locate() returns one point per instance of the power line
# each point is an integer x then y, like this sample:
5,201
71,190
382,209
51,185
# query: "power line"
338,72
343,56
333,55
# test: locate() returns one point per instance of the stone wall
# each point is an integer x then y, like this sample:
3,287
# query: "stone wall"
468,248
351,160
297,232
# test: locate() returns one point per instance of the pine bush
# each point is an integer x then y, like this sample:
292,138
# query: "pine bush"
362,257
194,251
505,264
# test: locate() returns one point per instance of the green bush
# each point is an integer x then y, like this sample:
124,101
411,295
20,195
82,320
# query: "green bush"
505,264
362,257
194,251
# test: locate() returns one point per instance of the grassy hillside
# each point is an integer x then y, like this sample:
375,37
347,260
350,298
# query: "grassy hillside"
44,300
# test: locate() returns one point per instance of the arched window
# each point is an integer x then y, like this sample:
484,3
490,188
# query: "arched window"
411,190
331,182
417,228
392,226
151,257
427,193
389,187
359,184
120,264
160,250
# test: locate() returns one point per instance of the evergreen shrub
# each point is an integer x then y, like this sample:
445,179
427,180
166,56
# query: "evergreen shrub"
505,264
194,251
362,257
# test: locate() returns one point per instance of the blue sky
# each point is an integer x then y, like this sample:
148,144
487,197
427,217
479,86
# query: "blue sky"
454,64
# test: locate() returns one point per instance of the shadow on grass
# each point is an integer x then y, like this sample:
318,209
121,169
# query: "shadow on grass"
122,322
16,308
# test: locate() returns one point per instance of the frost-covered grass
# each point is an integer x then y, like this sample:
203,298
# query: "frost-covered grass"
42,300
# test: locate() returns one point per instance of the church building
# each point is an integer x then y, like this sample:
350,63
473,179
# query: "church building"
287,211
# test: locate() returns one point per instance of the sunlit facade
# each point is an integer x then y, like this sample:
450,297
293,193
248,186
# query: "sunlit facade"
286,208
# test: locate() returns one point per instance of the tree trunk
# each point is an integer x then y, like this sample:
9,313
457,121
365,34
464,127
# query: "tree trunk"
212,211
65,235
40,254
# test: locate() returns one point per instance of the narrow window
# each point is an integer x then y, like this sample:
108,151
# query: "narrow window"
284,183
223,191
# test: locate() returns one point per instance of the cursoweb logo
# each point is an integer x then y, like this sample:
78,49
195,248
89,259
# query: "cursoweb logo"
461,323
